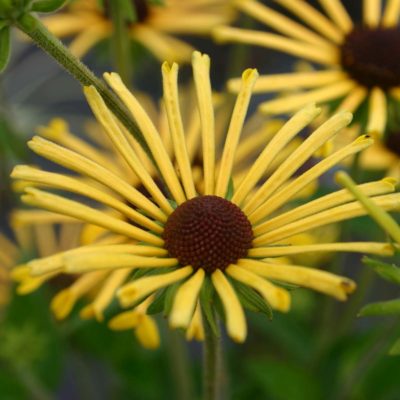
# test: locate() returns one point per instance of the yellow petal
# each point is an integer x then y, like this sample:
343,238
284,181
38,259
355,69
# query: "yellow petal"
277,297
185,301
234,314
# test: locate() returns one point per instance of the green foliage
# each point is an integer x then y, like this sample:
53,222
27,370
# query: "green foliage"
389,272
207,304
391,307
395,349
4,47
230,190
281,381
251,300
46,6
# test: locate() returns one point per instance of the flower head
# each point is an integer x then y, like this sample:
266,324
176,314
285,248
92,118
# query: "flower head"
215,239
88,22
360,62
45,238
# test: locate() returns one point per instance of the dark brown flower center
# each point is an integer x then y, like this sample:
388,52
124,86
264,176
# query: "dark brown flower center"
140,7
393,142
372,56
208,232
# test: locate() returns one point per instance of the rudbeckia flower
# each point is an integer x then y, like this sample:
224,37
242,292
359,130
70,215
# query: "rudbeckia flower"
359,62
87,23
195,247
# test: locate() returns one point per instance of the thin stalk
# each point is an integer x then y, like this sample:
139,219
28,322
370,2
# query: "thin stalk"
180,367
367,361
120,41
364,284
211,364
53,47
35,388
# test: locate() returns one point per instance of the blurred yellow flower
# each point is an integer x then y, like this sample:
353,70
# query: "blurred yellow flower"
87,22
45,237
211,239
360,62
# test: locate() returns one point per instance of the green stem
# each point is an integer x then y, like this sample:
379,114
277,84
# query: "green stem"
121,42
349,315
52,46
36,390
367,361
211,364
179,362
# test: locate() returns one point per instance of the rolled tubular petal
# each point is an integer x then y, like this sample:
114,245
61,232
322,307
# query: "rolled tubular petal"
84,166
336,214
52,202
372,12
185,301
383,249
280,23
391,13
293,102
278,298
171,101
235,128
311,52
103,260
377,114
122,145
299,183
201,74
300,120
234,314
336,11
76,186
293,80
318,138
313,18
151,135
133,291
321,281
386,185
64,301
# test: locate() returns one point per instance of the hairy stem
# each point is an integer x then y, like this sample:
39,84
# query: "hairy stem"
211,364
52,46
121,41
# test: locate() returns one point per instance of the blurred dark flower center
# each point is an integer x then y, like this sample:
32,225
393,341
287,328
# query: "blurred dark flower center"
393,142
140,7
372,56
208,232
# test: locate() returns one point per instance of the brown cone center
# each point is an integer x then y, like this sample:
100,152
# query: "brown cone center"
140,7
372,56
208,232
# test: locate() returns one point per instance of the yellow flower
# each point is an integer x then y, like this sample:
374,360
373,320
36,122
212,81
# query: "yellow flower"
52,236
88,23
360,63
8,254
217,239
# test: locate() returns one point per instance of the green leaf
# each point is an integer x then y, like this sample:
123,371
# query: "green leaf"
251,300
282,380
45,6
157,305
206,302
4,47
170,296
389,272
230,191
391,307
27,22
395,349
156,2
